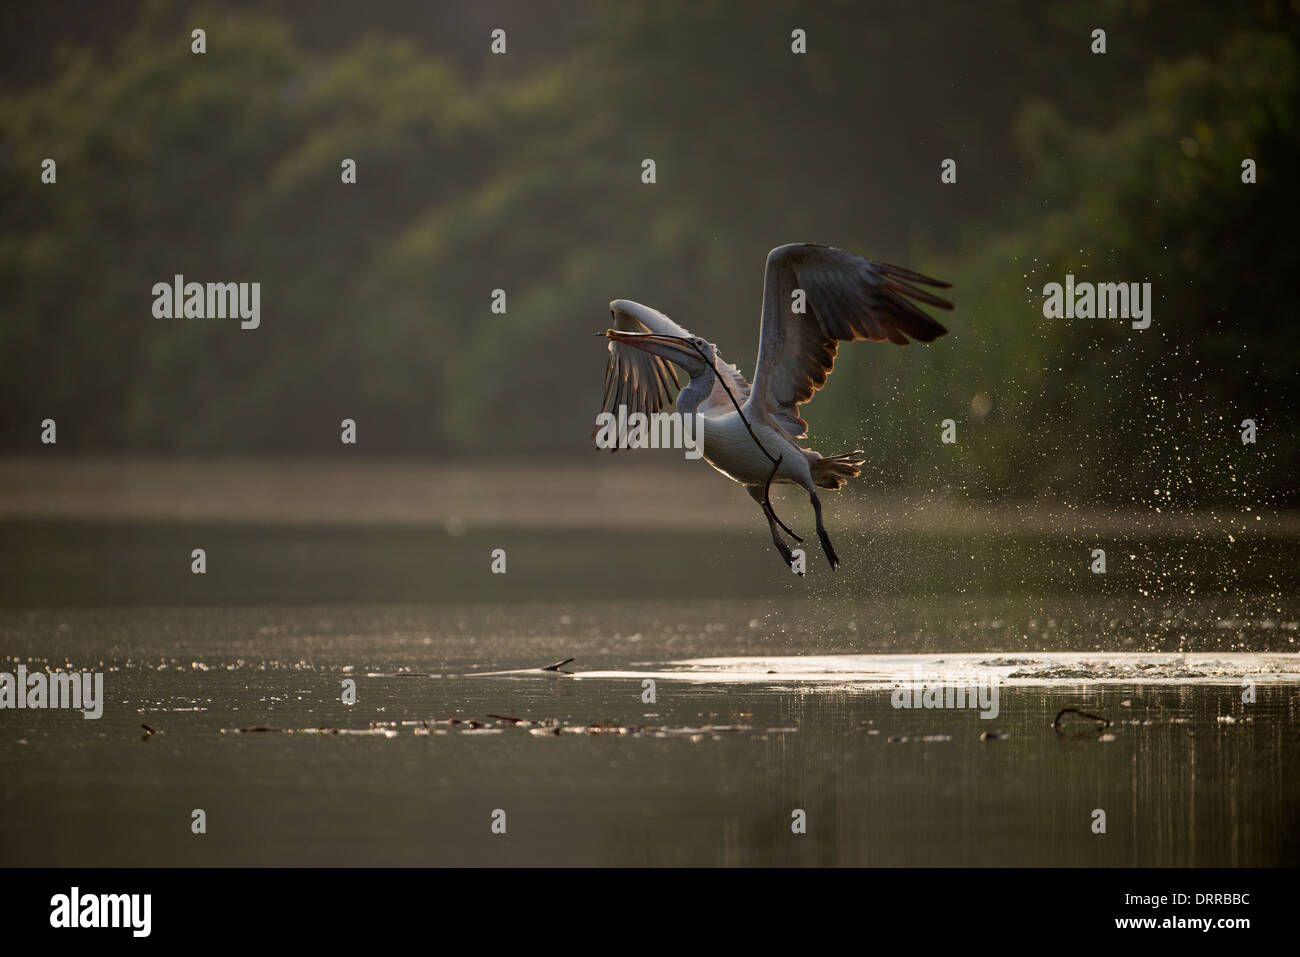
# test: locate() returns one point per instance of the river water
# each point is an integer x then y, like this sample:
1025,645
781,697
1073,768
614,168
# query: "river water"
736,717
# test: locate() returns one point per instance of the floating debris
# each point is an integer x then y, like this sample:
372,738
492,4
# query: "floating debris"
1101,723
385,732
426,727
402,674
548,670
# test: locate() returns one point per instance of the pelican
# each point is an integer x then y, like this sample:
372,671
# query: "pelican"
814,296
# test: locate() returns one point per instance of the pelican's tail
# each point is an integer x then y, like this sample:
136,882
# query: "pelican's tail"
834,471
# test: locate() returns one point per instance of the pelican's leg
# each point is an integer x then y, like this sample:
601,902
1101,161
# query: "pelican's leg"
767,507
779,542
772,521
827,547
766,502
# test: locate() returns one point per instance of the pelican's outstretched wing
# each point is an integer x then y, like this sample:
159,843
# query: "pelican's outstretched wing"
845,297
641,381
645,382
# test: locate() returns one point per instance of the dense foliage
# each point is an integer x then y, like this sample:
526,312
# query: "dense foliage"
523,172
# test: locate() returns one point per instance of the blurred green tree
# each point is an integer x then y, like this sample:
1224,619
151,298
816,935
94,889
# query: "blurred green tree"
526,177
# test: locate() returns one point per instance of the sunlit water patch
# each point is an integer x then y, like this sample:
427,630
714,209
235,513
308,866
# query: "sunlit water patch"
770,696
1045,669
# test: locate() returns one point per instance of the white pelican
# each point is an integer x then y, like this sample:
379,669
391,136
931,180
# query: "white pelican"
813,296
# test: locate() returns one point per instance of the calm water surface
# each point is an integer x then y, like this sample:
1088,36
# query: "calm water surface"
709,773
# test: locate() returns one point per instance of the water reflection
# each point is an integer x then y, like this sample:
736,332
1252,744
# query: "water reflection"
285,616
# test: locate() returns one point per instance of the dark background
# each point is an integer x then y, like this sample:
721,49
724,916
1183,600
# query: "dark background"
522,172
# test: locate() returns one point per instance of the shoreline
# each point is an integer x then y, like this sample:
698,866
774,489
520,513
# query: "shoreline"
625,494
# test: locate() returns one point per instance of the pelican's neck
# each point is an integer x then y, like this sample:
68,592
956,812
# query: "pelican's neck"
696,391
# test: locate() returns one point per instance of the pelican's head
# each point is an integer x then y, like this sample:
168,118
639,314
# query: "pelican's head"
691,353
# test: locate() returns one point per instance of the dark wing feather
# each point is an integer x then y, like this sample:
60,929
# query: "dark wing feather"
848,298
646,383
635,378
